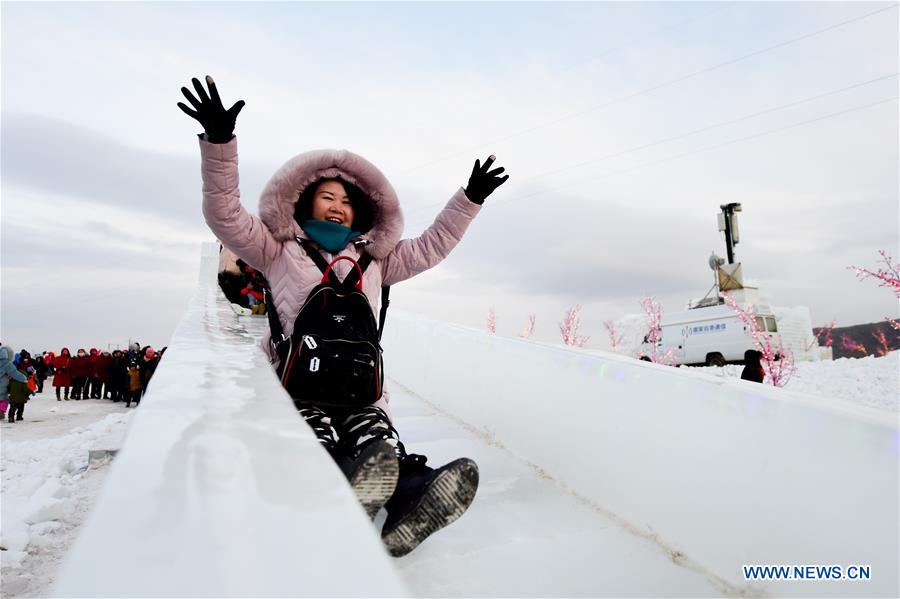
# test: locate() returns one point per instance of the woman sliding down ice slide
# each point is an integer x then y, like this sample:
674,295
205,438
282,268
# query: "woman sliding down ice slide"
328,240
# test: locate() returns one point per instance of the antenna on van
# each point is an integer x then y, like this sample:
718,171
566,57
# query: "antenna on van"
728,224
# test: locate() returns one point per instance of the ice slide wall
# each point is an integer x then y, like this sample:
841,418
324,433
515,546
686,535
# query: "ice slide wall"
210,495
725,472
219,489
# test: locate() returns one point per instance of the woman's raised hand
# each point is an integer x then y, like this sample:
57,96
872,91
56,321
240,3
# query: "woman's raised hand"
217,122
483,182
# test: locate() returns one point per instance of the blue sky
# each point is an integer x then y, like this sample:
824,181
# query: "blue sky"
623,127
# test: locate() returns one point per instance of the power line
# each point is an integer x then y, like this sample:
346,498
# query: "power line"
700,150
719,6
710,127
686,134
651,89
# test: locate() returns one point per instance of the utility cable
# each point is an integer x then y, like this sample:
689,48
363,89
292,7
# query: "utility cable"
718,7
651,89
708,128
685,134
693,152
700,150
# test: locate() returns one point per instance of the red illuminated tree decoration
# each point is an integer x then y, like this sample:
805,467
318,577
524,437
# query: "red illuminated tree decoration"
569,328
528,331
777,361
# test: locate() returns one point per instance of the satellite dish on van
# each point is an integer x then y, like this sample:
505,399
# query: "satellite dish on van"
715,262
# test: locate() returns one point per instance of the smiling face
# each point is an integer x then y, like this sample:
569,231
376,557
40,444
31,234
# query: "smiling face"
331,203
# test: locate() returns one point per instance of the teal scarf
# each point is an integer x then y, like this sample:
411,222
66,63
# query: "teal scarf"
331,236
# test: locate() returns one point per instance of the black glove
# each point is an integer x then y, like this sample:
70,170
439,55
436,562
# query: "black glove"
482,183
217,122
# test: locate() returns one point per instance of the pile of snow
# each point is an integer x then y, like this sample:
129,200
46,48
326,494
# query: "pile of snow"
630,331
49,484
871,381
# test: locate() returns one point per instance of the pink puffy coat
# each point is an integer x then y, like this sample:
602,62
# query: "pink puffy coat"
268,242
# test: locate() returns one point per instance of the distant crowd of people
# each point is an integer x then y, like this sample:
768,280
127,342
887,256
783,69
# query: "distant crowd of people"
119,375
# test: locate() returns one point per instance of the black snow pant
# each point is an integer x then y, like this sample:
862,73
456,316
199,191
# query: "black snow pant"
132,396
346,432
16,410
78,387
67,392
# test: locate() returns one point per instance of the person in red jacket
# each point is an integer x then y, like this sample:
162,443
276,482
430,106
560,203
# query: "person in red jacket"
104,374
92,384
254,299
81,369
62,377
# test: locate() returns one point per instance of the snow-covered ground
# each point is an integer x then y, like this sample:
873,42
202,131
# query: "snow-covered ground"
869,381
49,487
48,484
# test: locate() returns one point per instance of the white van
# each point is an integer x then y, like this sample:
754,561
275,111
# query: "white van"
712,335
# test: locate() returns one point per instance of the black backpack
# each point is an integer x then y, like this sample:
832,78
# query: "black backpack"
333,356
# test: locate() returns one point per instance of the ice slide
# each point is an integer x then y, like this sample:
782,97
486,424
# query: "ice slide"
601,476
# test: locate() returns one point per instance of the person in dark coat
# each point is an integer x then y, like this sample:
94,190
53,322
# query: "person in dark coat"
134,353
19,392
62,377
231,278
41,368
148,367
118,376
753,369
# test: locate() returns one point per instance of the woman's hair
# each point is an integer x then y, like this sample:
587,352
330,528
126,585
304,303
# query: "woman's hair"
363,212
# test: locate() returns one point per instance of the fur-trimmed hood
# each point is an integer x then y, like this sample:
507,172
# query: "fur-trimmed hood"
280,195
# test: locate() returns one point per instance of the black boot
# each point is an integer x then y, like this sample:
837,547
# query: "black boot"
372,475
426,500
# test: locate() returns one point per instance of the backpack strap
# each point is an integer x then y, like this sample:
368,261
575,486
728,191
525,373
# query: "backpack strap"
385,292
313,253
277,337
317,257
354,274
